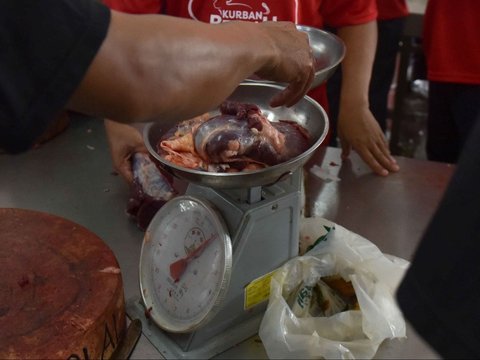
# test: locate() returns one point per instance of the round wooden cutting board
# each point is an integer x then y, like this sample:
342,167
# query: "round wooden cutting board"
61,292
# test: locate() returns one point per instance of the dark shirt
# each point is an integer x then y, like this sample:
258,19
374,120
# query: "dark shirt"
46,48
440,294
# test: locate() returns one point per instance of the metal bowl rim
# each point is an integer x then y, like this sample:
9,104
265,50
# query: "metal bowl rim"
306,28
287,164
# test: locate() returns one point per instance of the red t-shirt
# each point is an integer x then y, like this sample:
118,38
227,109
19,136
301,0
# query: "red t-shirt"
392,9
135,6
315,13
452,41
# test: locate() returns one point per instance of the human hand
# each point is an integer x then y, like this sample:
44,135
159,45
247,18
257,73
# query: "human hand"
192,64
124,141
293,61
359,130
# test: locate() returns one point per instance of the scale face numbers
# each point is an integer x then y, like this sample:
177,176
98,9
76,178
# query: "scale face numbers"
185,264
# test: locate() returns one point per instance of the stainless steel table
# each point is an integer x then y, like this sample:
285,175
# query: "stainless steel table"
71,176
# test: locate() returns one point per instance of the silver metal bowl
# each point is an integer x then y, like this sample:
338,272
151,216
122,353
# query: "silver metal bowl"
328,51
306,112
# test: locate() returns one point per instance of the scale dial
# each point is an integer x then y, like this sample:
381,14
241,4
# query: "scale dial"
185,264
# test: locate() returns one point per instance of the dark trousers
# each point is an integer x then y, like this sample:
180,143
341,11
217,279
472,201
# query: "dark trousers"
453,109
389,35
441,290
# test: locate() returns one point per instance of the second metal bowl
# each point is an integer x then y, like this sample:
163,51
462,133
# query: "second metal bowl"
328,51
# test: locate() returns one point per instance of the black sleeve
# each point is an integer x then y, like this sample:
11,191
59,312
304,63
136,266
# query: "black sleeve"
46,48
440,294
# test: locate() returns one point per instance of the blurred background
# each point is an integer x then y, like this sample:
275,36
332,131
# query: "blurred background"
407,105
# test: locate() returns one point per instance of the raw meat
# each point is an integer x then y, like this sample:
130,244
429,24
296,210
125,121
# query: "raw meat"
150,190
240,138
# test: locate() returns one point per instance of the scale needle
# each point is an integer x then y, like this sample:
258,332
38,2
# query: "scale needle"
178,267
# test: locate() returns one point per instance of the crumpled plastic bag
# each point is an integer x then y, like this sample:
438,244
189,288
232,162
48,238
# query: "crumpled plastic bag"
351,334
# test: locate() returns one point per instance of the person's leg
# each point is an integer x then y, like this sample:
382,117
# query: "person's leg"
389,35
465,109
333,94
440,291
443,143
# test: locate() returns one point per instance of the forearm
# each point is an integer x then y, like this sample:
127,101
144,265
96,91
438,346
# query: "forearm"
360,41
357,128
160,63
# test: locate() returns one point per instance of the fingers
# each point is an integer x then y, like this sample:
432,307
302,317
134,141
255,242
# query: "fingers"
293,63
295,91
372,162
386,159
378,158
373,150
292,94
382,155
364,135
303,90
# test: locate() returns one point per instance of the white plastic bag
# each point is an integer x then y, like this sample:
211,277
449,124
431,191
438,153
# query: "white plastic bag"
351,334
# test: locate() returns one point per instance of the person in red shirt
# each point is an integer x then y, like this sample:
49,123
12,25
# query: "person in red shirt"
355,21
452,50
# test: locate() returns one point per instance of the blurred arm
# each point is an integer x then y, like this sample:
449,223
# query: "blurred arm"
153,66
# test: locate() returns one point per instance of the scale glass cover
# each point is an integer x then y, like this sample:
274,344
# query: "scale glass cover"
185,264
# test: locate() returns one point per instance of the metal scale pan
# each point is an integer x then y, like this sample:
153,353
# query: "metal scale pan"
307,112
228,231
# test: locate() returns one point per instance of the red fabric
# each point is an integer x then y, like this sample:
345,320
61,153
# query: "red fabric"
392,9
316,13
452,41
135,6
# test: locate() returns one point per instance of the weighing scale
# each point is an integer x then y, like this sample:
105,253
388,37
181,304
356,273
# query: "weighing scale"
207,256
203,262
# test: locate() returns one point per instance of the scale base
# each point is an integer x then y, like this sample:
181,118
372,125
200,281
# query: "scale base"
165,343
263,226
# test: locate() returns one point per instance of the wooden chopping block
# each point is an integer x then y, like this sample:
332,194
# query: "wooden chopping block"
61,292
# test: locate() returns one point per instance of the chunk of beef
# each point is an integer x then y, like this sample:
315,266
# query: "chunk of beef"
241,137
